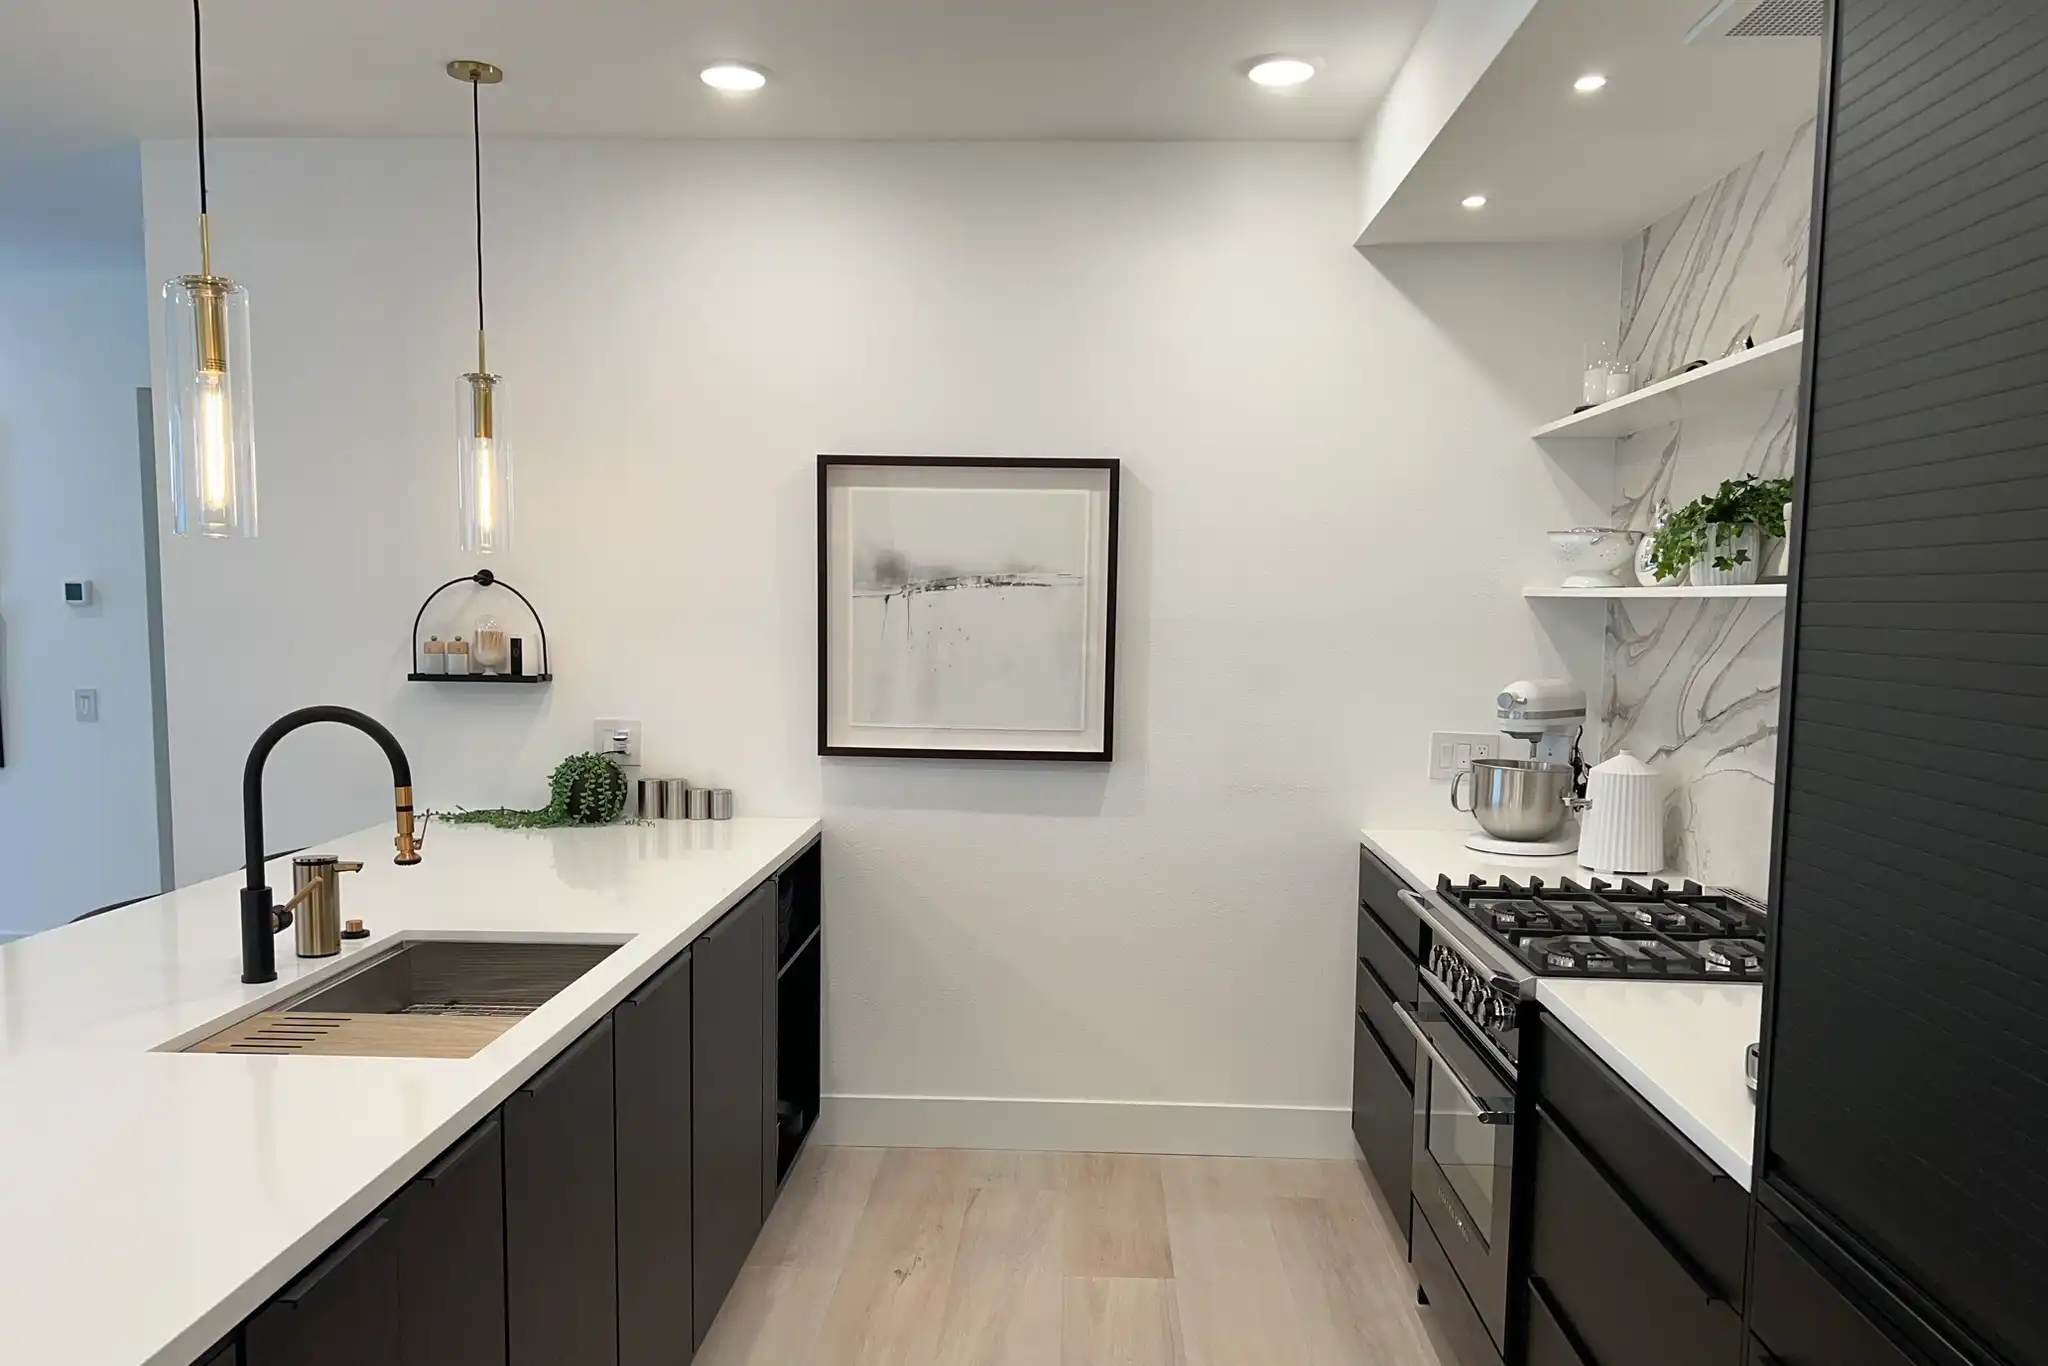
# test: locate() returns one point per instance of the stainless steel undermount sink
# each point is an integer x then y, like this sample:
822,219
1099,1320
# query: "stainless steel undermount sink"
450,977
425,998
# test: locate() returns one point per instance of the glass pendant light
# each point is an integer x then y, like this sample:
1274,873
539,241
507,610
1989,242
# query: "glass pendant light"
483,459
209,408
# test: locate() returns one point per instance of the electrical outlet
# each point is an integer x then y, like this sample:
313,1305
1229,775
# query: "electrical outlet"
620,740
1450,752
86,703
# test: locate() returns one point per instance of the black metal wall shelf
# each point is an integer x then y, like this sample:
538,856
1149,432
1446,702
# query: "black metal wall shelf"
483,578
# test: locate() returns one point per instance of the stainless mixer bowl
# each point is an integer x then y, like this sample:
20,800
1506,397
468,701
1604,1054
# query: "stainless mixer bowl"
1516,799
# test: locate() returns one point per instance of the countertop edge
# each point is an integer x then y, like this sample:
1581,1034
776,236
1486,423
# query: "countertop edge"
228,1314
1700,1134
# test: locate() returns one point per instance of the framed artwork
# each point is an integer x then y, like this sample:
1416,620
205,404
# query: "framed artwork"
966,607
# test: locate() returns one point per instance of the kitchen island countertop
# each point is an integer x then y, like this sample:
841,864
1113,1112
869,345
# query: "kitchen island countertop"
152,1200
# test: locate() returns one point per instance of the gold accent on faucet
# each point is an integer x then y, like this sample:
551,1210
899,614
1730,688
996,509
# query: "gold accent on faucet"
411,837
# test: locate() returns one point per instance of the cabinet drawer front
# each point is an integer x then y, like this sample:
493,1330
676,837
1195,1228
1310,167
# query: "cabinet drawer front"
1801,1318
1378,886
1453,1312
1382,1119
1626,1295
1693,1204
1549,1343
1386,1020
1379,950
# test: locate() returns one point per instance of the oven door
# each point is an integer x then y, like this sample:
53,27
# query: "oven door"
1464,1158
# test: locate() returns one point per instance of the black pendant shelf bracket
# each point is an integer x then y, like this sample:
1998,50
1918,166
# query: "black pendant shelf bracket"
483,578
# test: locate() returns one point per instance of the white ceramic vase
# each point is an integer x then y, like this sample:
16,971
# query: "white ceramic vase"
1704,575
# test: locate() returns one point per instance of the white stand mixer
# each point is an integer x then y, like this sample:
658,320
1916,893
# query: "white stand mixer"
1524,806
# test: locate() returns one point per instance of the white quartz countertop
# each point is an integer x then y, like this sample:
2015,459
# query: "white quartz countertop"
1420,855
1681,1045
150,1201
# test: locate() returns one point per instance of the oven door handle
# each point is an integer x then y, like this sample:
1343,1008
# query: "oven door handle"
1492,1109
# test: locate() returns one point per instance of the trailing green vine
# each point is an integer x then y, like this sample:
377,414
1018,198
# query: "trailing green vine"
1711,525
585,789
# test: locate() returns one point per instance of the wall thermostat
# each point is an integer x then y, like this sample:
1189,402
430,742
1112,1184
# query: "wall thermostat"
78,592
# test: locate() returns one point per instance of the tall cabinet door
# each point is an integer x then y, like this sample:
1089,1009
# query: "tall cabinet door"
561,1229
651,1046
451,1254
1904,1078
729,1002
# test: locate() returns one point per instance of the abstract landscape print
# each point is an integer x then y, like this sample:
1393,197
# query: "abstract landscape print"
970,608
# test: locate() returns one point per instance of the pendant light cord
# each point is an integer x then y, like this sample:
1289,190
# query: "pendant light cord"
476,127
199,106
199,99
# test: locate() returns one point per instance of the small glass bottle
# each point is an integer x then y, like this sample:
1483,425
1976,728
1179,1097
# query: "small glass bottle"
458,657
1593,378
434,656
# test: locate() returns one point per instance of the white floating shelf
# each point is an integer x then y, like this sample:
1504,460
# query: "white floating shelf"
1745,590
1769,368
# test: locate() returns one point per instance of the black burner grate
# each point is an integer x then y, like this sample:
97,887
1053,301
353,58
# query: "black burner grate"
1617,930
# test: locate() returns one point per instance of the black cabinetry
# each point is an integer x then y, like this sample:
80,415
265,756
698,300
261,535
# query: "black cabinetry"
561,1229
651,1051
1909,955
342,1312
1383,1049
599,1217
1635,1239
450,1225
728,1004
1802,1316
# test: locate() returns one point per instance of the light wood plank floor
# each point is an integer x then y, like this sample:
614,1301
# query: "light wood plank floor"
917,1257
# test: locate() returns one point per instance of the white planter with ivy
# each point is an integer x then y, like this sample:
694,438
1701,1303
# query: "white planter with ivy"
1717,540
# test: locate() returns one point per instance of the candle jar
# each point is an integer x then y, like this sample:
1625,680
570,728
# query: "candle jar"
1593,374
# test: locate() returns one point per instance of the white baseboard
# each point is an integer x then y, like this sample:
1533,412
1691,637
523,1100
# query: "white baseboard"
1100,1126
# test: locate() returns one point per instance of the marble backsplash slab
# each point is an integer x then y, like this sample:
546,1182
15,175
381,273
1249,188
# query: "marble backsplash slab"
1692,686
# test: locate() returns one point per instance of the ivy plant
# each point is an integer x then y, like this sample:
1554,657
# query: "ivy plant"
1709,526
585,789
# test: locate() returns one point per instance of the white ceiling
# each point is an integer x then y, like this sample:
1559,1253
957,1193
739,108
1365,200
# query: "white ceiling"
1557,165
628,68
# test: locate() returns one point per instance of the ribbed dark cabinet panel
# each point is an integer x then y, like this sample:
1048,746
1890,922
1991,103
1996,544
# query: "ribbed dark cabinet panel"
1909,1064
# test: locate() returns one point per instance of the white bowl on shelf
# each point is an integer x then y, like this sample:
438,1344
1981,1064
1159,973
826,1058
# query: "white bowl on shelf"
1594,556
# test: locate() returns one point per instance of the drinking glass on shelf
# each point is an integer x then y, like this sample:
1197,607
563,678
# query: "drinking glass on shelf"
1621,380
1593,378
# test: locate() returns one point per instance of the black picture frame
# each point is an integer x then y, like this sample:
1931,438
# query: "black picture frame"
827,464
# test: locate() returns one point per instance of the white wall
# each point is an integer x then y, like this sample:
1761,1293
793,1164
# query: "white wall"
1330,506
77,802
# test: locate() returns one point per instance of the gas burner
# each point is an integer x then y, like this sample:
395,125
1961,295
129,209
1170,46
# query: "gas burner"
1573,955
1733,957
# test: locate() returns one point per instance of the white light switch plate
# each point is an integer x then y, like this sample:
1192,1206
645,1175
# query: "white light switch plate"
604,740
86,703
1452,751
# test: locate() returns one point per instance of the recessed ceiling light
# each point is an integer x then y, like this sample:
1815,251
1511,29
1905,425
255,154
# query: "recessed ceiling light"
1474,201
734,78
1589,82
1281,71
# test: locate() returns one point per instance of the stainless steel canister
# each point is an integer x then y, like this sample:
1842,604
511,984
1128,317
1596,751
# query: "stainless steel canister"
721,803
674,798
647,799
700,804
316,903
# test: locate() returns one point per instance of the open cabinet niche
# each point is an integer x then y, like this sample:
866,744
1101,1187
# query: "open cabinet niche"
799,982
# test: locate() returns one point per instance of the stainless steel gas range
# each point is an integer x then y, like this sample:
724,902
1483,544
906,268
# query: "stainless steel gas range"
1485,946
